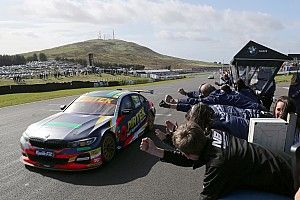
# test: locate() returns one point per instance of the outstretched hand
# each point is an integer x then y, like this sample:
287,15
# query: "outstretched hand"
181,91
170,126
148,146
161,135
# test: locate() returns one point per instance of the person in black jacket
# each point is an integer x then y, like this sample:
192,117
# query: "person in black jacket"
231,163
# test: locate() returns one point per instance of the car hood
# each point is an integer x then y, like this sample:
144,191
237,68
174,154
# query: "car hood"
67,126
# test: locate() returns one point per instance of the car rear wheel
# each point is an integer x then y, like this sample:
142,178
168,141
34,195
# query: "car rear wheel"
108,147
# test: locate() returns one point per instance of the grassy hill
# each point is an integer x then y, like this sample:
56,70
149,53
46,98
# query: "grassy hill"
119,52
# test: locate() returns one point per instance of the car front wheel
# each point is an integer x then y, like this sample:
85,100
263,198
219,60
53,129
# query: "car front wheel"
108,147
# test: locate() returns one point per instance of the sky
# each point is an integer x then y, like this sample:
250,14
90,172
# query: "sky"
208,30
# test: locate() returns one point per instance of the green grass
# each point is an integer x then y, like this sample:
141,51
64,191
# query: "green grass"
283,78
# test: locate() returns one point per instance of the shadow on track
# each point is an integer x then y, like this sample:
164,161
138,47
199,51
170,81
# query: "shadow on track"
129,164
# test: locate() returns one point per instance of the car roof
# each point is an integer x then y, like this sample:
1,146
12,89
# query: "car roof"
109,93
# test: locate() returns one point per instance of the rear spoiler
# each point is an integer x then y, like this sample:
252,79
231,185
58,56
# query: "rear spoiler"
140,91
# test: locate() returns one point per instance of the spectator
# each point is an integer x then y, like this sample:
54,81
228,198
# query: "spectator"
283,106
225,79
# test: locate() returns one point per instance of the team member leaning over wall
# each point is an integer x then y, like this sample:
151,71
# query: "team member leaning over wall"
229,162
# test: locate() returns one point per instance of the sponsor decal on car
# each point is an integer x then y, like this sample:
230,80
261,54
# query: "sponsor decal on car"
63,124
95,153
83,148
101,119
46,153
136,119
97,100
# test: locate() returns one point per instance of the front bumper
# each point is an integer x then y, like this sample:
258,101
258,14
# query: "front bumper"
67,159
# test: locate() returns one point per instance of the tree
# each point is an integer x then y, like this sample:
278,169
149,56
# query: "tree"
43,57
35,57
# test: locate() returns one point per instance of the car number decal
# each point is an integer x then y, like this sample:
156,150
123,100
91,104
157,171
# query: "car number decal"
44,153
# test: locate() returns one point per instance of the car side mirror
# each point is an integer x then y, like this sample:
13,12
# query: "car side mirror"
126,111
62,107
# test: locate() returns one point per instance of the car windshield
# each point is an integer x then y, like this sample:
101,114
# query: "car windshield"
93,106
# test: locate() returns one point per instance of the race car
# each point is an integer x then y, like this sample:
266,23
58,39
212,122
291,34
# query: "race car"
88,132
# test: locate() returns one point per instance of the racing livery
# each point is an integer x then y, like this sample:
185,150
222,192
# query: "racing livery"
88,132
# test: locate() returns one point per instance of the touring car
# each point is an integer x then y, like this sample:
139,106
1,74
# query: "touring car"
88,132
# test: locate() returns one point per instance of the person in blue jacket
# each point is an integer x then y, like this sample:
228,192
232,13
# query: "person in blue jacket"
206,118
241,87
213,96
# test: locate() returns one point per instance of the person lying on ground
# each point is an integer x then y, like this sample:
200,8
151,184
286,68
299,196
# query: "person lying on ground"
230,163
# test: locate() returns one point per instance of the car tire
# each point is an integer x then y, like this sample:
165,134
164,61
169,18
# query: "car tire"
108,147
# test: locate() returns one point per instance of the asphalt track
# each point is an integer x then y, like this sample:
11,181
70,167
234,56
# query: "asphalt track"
133,174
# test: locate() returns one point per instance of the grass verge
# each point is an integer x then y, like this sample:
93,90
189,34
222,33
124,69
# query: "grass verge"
283,78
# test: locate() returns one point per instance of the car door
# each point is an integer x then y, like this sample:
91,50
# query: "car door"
129,115
138,120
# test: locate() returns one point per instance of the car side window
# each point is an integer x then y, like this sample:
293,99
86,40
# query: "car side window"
136,100
142,99
126,103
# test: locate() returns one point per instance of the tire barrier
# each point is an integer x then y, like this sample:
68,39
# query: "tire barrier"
47,87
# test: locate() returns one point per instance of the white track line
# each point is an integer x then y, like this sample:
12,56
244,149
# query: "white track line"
168,115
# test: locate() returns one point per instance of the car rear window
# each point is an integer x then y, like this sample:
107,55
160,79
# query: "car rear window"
93,106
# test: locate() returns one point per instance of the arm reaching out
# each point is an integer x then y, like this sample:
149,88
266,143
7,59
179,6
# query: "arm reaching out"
161,135
148,146
182,91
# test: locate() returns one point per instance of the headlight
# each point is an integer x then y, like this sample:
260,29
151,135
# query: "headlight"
82,143
25,136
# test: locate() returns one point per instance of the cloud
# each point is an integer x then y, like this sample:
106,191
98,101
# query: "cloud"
183,36
170,16
152,22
